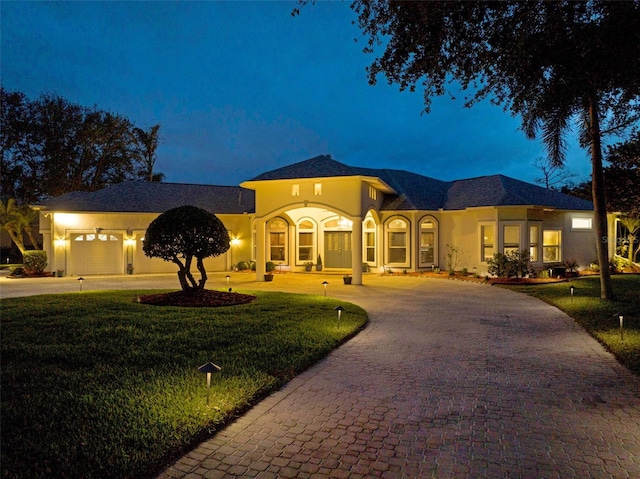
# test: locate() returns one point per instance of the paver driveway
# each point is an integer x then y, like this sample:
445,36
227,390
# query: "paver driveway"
449,380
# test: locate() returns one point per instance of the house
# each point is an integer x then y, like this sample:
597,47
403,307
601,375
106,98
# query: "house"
353,218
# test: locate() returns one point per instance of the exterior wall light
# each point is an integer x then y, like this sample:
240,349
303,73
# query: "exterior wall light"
60,243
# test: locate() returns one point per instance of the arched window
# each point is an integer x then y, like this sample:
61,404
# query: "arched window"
369,232
398,242
306,240
277,230
428,238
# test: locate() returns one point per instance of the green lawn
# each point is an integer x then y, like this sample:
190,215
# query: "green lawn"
97,385
599,317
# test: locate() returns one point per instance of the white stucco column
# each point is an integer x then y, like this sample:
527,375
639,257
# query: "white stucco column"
356,250
261,262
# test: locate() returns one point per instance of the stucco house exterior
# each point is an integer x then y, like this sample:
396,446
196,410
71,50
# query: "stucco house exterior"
354,218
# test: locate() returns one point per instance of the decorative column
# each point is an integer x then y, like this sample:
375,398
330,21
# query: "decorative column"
356,250
261,262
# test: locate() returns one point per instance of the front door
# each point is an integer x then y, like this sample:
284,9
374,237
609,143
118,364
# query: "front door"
337,249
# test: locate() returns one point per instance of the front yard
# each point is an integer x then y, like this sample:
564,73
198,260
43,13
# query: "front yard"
97,385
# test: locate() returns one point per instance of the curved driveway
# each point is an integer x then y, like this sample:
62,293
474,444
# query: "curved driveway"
449,380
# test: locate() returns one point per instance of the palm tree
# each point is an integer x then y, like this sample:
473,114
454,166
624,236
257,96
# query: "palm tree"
632,225
147,144
11,222
27,217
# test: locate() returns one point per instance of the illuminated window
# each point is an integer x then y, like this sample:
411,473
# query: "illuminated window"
277,240
487,240
427,242
317,189
581,223
511,238
397,241
295,190
306,235
534,241
370,241
551,246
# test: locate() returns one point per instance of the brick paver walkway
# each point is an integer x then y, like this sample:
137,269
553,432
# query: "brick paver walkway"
450,380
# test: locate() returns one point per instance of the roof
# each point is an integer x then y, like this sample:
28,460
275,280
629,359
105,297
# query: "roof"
412,191
156,197
402,190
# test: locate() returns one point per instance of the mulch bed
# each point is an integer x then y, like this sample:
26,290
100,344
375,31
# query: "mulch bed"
200,299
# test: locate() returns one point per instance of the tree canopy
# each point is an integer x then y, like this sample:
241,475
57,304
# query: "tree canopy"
183,233
555,64
50,146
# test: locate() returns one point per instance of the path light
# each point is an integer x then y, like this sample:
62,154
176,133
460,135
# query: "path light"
325,283
572,289
339,309
621,318
81,279
228,278
209,368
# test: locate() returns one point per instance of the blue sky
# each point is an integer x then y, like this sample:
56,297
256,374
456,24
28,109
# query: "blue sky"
243,87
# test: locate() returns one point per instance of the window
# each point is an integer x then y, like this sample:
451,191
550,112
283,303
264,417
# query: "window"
397,231
372,193
306,233
581,223
511,239
317,189
427,242
487,238
551,246
295,190
277,240
534,241
370,241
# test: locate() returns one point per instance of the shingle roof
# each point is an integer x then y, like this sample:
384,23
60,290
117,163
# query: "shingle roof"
417,192
411,191
154,197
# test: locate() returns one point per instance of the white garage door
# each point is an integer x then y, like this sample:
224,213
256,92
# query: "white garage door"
96,253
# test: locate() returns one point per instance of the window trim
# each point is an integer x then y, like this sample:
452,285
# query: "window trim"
285,231
481,244
314,232
407,243
434,247
558,259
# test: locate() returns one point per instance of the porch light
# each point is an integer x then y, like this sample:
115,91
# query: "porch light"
235,242
325,283
60,242
130,242
81,279
209,368
339,309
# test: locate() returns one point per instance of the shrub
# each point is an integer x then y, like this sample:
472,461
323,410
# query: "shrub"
243,266
513,264
270,266
35,261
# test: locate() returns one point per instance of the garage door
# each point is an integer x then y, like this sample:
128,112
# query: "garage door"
96,253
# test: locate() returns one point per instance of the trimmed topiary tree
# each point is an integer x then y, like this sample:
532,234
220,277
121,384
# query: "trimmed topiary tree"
184,233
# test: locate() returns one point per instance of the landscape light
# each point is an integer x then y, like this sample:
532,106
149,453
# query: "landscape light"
209,368
228,278
339,309
325,283
572,289
621,318
81,279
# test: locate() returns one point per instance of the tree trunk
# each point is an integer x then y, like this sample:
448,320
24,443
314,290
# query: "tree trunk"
203,274
599,201
15,237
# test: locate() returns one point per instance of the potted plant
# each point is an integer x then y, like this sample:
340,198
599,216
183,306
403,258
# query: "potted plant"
269,268
365,267
347,279
308,265
129,268
319,264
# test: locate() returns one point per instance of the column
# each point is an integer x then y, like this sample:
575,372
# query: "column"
261,261
356,250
